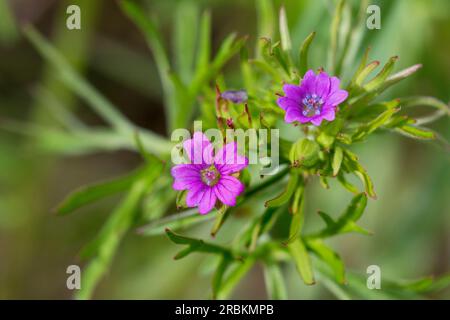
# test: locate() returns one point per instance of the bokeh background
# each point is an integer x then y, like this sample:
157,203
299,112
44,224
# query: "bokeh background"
410,219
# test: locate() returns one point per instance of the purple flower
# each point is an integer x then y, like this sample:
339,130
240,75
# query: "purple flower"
315,99
235,96
209,176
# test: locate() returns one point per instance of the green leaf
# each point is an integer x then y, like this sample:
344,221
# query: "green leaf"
361,173
442,108
380,78
345,138
361,68
154,40
106,243
352,165
355,209
330,223
398,121
403,74
159,201
428,284
330,257
273,278
428,118
72,79
284,31
416,132
297,211
176,222
345,38
365,72
346,222
265,47
128,67
425,101
195,245
323,180
302,260
229,47
366,129
282,58
58,109
267,68
99,103
181,93
334,35
221,217
274,179
236,274
347,185
219,274
265,18
439,283
303,60
8,29
421,285
148,156
275,58
248,74
367,96
356,37
367,112
204,47
124,215
286,194
261,225
90,193
338,155
186,17
77,142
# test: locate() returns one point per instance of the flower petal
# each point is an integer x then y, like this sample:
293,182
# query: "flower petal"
199,150
293,92
186,184
228,195
207,202
329,114
232,184
227,159
316,120
304,119
195,194
334,84
337,97
292,115
308,81
224,195
309,75
322,85
286,103
181,171
185,175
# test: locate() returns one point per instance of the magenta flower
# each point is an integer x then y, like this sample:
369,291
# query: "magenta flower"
209,176
315,99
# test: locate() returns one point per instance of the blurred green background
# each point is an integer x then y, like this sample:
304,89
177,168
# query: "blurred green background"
410,219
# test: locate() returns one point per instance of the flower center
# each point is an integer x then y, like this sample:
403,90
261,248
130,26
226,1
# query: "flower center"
210,176
312,105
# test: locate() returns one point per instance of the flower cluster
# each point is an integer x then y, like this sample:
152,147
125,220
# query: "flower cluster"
209,176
